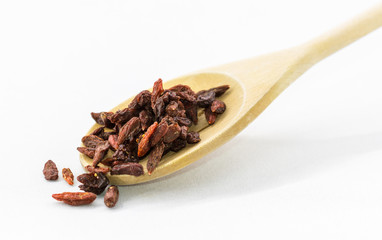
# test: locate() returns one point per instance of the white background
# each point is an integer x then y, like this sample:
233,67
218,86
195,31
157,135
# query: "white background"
310,167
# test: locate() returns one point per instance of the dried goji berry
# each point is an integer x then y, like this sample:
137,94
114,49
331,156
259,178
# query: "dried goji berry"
68,175
135,169
75,198
144,144
50,170
154,157
111,196
129,130
218,106
159,132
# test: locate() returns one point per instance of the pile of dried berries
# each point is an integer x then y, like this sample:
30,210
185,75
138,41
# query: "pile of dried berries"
153,124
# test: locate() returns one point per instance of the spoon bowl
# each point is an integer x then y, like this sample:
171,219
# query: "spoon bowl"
175,161
254,83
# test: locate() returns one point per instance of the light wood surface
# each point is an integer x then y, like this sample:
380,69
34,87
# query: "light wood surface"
255,83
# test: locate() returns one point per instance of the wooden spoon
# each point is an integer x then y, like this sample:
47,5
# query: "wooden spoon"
255,83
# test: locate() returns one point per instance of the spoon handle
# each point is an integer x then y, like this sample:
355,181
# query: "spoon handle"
265,77
332,41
